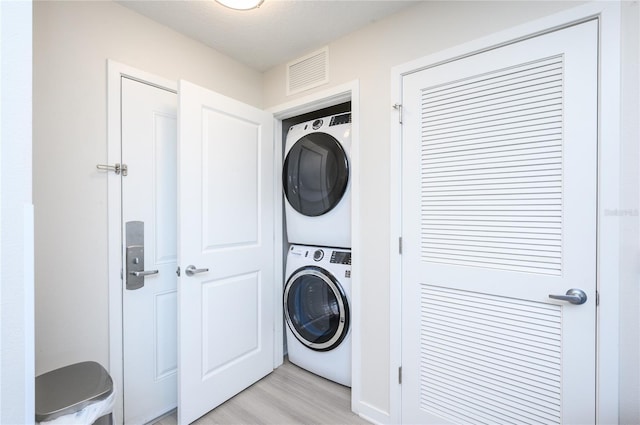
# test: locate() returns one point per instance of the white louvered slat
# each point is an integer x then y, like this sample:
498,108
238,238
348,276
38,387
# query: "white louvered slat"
543,388
539,147
491,161
518,77
506,139
489,359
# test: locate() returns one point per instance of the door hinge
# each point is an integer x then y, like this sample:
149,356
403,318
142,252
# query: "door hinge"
400,375
398,107
400,245
597,298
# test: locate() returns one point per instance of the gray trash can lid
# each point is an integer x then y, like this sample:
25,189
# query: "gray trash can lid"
70,389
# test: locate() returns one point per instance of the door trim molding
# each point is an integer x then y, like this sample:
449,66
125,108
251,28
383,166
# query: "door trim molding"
608,230
115,71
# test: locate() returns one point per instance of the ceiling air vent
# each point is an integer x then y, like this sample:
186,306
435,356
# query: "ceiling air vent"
308,71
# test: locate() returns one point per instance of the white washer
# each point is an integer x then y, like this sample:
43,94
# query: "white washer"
317,300
316,182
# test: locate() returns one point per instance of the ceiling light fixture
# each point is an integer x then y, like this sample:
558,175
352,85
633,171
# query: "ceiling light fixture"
241,4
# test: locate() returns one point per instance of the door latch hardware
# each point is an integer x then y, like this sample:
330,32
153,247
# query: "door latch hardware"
117,168
398,107
144,273
574,296
191,270
135,255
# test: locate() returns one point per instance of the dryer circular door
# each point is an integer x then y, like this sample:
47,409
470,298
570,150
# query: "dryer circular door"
315,174
316,308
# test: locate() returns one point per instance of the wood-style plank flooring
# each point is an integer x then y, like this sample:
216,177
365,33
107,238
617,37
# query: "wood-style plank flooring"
289,395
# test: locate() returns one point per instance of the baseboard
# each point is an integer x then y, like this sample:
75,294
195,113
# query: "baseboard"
373,414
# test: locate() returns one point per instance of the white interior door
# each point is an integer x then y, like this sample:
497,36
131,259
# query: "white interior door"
499,212
226,232
149,137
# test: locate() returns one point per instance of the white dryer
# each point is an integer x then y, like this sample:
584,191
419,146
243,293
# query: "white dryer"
316,182
317,299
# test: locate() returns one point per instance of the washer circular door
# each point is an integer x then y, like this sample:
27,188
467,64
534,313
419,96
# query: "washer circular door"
315,174
316,308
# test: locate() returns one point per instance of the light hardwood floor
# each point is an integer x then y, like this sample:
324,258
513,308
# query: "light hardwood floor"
289,395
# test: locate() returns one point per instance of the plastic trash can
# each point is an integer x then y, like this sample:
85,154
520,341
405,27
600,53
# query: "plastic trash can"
81,393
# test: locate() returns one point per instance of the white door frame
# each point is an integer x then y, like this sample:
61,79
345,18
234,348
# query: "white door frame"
608,230
115,71
322,99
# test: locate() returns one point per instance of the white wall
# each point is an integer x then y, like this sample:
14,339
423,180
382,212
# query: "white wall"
72,42
16,217
368,55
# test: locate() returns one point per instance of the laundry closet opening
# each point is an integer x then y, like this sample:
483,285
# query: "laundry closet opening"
316,183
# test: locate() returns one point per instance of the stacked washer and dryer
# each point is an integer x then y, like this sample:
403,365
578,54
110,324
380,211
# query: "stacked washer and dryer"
317,290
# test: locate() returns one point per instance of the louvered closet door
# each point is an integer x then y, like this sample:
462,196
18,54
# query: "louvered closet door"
499,211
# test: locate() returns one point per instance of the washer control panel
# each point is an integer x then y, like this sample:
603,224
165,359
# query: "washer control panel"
318,255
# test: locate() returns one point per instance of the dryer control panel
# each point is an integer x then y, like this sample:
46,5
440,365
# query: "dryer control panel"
340,257
340,119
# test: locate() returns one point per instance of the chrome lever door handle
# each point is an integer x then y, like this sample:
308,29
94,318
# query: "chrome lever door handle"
191,270
143,273
574,296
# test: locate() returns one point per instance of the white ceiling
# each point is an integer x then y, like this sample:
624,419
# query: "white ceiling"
275,33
